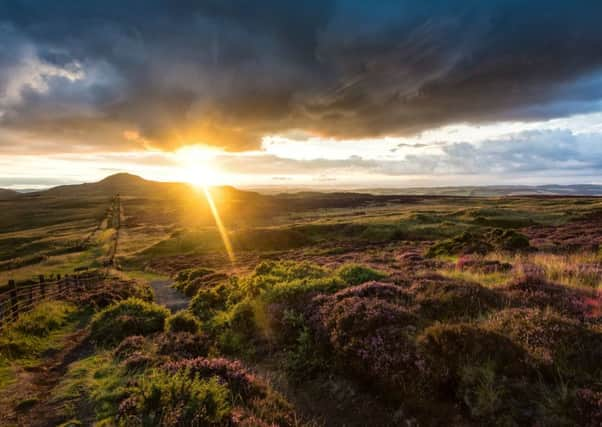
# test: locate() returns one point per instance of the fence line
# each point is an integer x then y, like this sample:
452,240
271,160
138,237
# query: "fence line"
18,300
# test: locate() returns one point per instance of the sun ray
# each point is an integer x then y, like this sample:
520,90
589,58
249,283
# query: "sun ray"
220,225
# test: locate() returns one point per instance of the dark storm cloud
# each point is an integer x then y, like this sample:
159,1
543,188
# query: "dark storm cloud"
228,72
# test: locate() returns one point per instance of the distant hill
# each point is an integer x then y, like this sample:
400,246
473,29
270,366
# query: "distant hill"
6,194
496,190
121,183
132,185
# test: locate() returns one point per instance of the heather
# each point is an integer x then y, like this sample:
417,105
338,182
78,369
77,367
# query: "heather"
424,312
482,354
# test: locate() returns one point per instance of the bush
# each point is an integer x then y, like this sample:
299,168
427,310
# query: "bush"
231,372
449,348
508,240
111,291
354,274
138,361
441,298
386,291
373,339
533,291
208,301
176,399
45,318
553,339
589,407
268,273
126,318
481,244
129,346
182,345
32,334
182,321
463,244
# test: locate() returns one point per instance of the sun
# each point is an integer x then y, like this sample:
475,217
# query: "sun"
196,164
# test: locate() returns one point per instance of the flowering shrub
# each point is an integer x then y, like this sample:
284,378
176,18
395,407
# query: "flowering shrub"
385,291
182,345
552,339
442,298
126,318
110,291
129,346
175,399
535,291
138,361
231,372
372,338
589,407
256,403
450,347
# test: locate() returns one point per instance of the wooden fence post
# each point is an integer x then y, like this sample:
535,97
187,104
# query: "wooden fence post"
13,299
31,288
42,287
67,284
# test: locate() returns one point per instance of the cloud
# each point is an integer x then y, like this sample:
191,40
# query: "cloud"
550,152
79,74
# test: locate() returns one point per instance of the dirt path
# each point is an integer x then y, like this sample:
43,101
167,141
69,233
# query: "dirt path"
27,402
171,298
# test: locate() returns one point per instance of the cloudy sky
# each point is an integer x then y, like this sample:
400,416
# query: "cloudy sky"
321,93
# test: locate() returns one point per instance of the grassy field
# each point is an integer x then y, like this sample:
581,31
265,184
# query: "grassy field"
336,309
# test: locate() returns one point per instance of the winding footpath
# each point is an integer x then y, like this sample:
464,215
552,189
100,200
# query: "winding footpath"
168,296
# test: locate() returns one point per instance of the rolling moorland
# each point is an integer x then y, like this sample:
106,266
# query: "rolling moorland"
331,309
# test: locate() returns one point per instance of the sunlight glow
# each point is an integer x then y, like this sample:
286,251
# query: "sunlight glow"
196,161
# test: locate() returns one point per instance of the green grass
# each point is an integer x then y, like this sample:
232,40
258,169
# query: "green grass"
489,280
24,343
99,380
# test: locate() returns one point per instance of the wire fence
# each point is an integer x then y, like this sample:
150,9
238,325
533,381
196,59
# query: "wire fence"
18,300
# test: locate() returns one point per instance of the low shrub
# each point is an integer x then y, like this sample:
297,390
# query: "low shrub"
126,318
533,291
354,274
373,339
386,291
589,407
463,244
449,348
176,399
182,321
480,244
231,372
255,404
182,345
138,361
112,290
44,318
508,240
489,397
129,346
34,333
208,301
565,344
442,298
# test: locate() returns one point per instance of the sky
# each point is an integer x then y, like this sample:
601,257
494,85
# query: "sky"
324,93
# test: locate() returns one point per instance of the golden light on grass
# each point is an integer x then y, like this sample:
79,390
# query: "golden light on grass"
196,162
